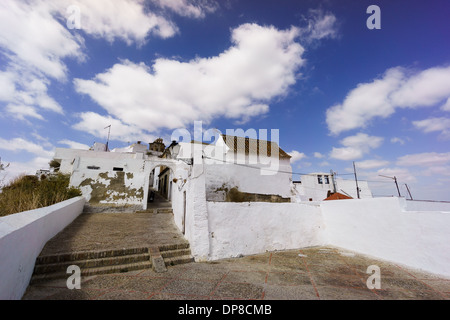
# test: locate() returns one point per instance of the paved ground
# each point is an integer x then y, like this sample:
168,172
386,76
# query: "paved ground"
105,231
308,274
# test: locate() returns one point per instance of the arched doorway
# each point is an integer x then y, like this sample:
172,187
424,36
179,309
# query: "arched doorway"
160,186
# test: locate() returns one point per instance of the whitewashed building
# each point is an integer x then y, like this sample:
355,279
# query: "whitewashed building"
318,186
231,197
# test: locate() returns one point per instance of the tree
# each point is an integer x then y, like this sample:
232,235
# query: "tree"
54,165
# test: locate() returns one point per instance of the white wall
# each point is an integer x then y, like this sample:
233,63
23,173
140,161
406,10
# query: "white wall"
219,176
68,157
256,227
381,228
252,174
420,205
23,236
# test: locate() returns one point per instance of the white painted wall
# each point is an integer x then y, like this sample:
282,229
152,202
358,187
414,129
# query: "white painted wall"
381,227
420,205
68,157
255,227
246,180
197,230
271,176
23,236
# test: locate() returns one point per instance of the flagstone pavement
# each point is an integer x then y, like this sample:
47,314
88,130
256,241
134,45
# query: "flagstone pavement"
316,273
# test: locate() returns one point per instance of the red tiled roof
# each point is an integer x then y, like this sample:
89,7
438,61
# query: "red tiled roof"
254,146
337,196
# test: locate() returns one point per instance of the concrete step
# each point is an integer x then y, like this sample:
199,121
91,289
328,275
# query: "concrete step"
164,210
171,261
85,255
176,253
93,271
156,210
108,261
91,263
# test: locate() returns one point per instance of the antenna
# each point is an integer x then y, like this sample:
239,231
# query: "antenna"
395,180
109,131
409,191
356,179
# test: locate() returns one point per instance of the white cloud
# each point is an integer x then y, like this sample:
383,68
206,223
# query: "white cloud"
446,105
424,88
320,25
186,8
356,146
34,44
437,171
296,156
95,124
397,140
20,144
426,159
441,125
370,164
35,41
126,20
318,155
346,153
22,111
74,144
170,94
381,97
32,36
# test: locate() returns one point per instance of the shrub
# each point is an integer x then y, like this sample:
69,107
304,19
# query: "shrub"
28,192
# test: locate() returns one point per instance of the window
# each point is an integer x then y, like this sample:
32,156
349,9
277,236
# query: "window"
327,180
117,169
319,179
93,167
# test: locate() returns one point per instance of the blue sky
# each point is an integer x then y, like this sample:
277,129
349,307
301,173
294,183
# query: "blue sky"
336,90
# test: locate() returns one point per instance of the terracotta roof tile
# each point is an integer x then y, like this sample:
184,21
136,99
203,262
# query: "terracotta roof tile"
337,196
253,146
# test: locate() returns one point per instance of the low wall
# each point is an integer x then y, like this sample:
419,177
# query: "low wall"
381,227
254,227
23,236
423,205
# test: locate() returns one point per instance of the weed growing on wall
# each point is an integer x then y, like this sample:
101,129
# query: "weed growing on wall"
29,192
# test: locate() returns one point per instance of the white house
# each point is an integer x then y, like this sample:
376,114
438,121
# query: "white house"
234,187
241,169
318,186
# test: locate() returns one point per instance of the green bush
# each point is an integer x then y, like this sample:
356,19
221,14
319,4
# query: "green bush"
29,192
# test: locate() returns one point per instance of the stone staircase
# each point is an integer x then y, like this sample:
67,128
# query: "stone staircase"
49,267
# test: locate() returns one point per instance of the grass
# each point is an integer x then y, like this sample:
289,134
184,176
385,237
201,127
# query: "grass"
29,192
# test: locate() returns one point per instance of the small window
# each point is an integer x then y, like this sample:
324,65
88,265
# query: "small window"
117,169
327,180
319,179
93,167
